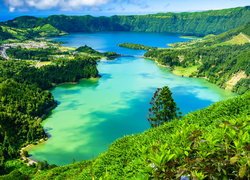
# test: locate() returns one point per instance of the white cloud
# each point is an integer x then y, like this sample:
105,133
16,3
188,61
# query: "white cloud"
11,9
49,4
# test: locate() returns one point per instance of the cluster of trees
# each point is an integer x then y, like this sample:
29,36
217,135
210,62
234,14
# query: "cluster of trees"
45,77
199,23
4,35
24,98
88,50
136,46
21,106
49,54
217,63
32,54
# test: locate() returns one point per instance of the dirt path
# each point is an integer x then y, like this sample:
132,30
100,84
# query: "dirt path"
3,52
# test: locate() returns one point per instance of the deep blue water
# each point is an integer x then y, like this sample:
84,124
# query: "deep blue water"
109,41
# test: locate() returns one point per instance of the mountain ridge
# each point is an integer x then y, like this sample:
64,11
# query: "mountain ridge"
196,23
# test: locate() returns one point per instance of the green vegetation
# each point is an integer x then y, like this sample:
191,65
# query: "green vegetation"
163,107
241,33
210,58
187,71
33,54
4,35
21,107
13,34
136,46
88,50
9,33
24,99
197,23
47,30
63,71
49,51
211,143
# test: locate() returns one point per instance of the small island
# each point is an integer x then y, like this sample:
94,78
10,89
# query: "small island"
136,46
88,50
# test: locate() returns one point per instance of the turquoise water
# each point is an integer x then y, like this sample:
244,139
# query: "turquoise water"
94,113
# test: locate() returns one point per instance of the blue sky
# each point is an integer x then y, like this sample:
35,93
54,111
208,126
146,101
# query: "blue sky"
12,8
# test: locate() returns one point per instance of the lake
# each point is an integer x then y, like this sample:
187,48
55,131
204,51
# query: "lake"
94,113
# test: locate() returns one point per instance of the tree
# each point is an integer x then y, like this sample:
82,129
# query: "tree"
163,108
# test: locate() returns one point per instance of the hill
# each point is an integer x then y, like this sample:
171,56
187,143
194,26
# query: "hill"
14,33
47,30
188,23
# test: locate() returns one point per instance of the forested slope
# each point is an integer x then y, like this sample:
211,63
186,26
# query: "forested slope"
24,99
189,23
220,59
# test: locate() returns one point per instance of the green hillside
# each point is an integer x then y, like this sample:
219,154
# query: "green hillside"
189,23
220,59
7,33
13,33
47,30
211,143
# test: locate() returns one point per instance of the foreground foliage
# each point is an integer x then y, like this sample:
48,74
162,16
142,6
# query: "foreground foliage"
210,143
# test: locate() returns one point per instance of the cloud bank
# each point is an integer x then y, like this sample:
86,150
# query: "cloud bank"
70,5
53,4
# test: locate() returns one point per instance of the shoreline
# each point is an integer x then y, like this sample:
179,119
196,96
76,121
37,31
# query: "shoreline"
183,75
28,159
28,147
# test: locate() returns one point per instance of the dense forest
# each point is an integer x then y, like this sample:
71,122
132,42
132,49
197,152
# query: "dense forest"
197,23
24,99
33,54
21,106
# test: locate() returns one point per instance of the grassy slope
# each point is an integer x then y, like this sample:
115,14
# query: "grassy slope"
48,30
201,139
14,34
241,34
7,33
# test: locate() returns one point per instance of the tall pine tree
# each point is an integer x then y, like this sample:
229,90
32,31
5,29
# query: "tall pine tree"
163,108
